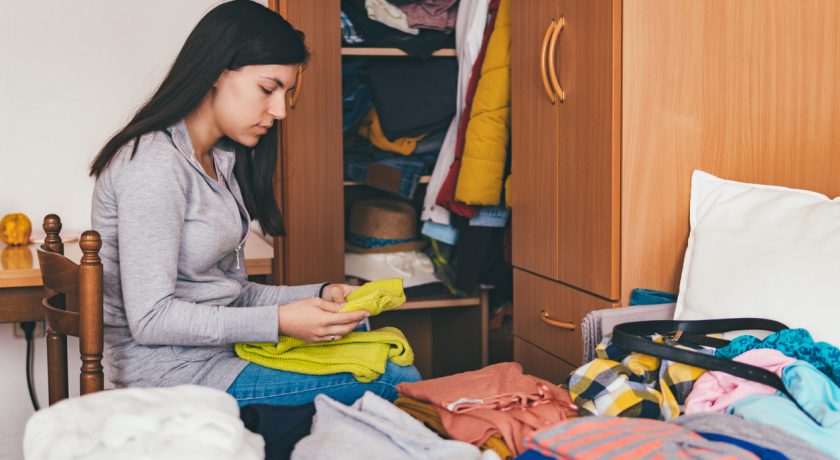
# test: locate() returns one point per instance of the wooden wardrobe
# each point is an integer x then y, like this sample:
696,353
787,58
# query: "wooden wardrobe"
614,104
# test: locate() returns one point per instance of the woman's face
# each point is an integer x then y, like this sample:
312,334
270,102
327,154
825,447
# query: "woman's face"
246,101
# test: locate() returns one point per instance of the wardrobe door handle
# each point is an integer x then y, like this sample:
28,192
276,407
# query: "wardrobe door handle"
551,65
298,86
543,72
569,326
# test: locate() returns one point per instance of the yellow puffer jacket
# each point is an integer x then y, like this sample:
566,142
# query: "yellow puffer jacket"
488,132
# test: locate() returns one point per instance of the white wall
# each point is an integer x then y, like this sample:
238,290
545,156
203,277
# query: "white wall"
71,74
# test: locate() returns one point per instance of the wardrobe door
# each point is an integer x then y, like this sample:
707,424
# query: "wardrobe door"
534,122
587,66
311,152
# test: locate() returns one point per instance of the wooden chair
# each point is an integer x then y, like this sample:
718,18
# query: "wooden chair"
72,306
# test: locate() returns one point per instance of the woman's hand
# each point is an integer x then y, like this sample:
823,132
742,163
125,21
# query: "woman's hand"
338,292
316,320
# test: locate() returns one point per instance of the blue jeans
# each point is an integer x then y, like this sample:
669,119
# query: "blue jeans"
262,385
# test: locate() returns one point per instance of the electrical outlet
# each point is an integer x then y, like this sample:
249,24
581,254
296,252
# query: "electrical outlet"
38,332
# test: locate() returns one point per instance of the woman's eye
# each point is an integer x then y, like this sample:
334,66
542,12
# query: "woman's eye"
266,90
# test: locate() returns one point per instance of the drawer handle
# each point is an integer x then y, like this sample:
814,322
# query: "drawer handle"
570,326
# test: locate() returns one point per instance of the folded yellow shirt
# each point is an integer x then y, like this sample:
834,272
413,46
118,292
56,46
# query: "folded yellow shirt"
376,296
363,354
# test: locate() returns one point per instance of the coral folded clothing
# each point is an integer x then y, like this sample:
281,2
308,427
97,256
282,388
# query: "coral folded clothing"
496,399
615,437
363,354
372,428
430,416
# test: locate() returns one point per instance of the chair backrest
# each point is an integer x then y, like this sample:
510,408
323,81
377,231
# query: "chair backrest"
72,306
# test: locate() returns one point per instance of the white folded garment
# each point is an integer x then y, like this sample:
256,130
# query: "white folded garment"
182,422
373,428
414,267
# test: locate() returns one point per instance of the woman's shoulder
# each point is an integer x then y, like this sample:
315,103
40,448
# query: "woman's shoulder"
154,153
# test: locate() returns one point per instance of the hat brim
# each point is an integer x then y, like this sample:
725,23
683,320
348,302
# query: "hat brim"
410,246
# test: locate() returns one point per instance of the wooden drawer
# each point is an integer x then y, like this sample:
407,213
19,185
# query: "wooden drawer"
534,296
538,362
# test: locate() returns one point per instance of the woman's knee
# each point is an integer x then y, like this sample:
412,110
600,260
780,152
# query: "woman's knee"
395,374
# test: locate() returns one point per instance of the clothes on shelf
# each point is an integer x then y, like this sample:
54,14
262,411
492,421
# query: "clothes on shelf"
376,34
432,14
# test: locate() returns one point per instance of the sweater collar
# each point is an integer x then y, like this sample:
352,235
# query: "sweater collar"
223,151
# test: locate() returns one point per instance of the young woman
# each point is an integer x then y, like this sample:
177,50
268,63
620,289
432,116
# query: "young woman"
175,193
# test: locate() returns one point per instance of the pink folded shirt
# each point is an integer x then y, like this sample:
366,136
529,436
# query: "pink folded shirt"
715,391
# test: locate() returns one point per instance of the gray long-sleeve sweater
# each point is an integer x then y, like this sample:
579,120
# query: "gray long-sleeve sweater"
175,289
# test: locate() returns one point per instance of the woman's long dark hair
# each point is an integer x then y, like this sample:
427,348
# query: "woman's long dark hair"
232,35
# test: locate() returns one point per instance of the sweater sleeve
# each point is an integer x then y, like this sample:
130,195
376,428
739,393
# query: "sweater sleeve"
261,294
151,195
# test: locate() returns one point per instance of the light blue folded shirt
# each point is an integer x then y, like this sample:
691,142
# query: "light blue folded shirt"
815,392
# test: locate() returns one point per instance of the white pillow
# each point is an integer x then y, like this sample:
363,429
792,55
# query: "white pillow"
762,251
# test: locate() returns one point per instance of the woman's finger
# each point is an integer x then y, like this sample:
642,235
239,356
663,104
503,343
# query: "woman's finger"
344,318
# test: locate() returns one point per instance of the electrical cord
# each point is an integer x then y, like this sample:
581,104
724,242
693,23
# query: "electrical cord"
28,328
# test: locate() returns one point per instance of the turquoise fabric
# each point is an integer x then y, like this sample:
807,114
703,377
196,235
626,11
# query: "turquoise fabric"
815,393
640,296
796,343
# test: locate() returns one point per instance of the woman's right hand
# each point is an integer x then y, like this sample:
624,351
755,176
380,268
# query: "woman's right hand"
316,320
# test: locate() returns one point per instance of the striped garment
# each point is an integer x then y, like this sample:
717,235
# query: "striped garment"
607,438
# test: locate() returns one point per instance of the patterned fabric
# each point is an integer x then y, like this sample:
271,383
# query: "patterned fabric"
631,384
608,437
796,343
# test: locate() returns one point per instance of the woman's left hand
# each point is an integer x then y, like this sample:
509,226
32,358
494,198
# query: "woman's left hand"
338,292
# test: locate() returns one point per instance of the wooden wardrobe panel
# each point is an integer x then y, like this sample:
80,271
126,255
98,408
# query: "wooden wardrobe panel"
588,175
312,152
534,165
746,90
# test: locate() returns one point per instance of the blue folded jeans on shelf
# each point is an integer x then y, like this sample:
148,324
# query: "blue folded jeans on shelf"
390,172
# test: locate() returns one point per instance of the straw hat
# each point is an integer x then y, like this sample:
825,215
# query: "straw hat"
383,225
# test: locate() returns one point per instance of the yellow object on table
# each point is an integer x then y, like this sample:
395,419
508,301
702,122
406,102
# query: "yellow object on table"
15,229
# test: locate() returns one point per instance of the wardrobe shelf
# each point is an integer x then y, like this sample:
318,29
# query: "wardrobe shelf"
445,52
445,301
352,183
